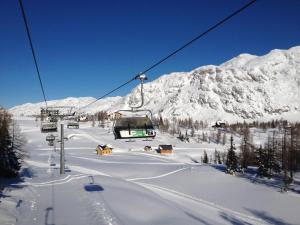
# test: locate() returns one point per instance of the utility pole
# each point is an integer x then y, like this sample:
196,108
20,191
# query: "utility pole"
62,150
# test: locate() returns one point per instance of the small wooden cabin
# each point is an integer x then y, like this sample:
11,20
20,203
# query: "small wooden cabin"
103,149
165,149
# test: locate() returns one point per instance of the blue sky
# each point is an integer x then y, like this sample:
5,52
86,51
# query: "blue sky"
88,47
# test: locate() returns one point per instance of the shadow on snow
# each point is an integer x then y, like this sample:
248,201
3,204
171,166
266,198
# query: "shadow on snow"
91,187
14,183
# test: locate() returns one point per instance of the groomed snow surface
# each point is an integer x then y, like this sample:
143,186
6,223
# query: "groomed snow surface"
134,187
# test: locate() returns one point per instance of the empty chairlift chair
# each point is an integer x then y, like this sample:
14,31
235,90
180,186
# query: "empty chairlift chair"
47,127
134,127
73,124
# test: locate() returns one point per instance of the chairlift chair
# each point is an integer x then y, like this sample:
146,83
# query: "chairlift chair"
135,126
73,124
47,127
50,137
48,120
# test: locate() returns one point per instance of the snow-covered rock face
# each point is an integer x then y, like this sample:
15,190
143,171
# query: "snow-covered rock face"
245,87
34,109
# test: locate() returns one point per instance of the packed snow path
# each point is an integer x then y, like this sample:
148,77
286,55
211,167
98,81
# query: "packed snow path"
135,187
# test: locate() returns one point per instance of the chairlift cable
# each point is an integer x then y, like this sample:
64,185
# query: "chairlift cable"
176,51
199,36
32,50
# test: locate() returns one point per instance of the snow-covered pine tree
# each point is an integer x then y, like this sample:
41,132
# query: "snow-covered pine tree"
231,162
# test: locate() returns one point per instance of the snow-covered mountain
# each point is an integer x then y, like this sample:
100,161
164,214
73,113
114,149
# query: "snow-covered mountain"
245,87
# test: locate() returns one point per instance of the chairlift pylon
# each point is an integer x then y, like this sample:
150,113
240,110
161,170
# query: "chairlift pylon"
134,126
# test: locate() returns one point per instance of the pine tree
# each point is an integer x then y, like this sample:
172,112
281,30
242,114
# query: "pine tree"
231,162
218,138
224,139
192,132
205,158
219,158
245,153
93,121
262,162
216,156
203,137
9,162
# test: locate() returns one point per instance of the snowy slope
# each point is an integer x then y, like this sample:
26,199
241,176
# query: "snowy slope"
245,87
135,187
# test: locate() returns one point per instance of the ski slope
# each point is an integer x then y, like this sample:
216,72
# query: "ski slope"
134,187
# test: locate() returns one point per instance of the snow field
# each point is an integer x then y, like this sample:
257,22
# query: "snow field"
136,187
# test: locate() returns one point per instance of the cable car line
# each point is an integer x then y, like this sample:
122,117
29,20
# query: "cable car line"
32,50
199,36
176,51
108,93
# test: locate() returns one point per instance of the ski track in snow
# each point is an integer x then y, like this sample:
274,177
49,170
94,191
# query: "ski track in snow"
159,176
162,191
65,180
72,167
100,211
127,163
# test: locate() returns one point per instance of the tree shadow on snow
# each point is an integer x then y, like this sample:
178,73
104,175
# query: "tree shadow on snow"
14,183
219,167
275,182
250,174
267,218
197,218
233,220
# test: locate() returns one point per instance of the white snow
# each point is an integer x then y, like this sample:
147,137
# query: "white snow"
136,187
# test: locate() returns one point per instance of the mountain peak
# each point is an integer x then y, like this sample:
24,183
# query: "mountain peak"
247,87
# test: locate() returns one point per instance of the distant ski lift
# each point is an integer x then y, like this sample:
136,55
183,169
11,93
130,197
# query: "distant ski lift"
129,127
49,120
47,127
219,124
73,124
50,137
50,115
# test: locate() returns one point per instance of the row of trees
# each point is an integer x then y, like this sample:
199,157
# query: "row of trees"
279,155
281,152
11,142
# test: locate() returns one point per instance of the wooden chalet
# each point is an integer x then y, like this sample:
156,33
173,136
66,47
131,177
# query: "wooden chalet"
165,149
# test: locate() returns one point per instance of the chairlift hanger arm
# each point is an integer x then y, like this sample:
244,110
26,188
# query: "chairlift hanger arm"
142,78
138,110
